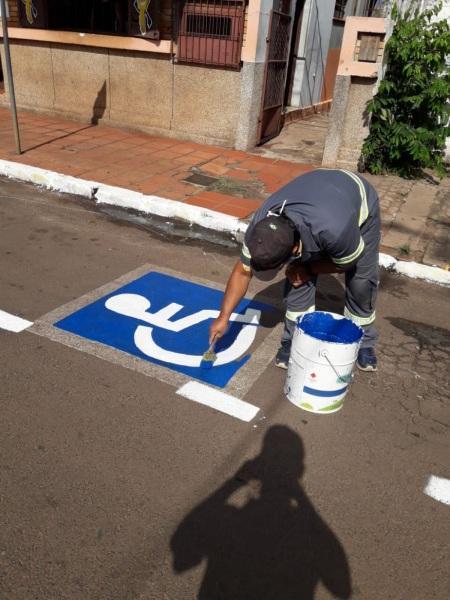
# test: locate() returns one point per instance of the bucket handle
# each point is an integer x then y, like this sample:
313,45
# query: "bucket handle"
341,378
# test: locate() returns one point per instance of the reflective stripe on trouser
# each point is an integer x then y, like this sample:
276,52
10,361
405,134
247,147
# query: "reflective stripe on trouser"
361,285
293,315
361,321
290,323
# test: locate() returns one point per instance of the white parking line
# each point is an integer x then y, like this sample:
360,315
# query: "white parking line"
438,488
13,323
203,394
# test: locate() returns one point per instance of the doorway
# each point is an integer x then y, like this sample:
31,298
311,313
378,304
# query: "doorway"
277,60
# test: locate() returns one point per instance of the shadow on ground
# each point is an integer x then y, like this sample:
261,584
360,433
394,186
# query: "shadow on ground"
329,296
260,535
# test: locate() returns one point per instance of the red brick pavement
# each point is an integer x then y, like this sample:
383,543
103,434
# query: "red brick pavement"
146,163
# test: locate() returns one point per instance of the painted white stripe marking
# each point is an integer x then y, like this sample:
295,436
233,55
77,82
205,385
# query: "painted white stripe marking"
13,323
203,394
438,488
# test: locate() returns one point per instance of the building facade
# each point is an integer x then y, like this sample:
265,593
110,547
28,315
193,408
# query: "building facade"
216,71
119,62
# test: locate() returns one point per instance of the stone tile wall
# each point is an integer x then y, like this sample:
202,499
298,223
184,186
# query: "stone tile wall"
136,89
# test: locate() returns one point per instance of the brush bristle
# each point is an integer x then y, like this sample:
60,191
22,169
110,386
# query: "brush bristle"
208,360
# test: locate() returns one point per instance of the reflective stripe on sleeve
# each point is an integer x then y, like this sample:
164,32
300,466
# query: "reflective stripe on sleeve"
364,211
245,256
246,251
345,260
292,315
361,321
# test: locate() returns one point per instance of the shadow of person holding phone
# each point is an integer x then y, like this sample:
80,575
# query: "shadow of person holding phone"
260,535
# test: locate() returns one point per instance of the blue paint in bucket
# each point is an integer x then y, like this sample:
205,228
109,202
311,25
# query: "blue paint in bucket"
323,326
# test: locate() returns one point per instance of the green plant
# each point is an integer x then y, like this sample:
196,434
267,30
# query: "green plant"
409,115
405,249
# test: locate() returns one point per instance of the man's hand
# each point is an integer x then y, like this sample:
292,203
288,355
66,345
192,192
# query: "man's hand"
297,274
218,329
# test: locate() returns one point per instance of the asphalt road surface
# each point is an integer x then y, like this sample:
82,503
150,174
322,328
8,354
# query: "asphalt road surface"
112,486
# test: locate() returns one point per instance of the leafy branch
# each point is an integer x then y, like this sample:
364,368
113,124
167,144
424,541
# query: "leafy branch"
410,114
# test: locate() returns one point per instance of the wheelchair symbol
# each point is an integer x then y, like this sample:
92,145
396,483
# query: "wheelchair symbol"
137,307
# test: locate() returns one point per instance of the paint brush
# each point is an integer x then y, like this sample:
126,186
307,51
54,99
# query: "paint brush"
209,357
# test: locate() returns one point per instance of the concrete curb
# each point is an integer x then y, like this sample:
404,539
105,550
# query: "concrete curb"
415,270
103,194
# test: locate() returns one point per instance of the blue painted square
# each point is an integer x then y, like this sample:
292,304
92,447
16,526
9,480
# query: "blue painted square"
142,318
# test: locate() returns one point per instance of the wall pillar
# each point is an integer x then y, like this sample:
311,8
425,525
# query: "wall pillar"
355,85
252,74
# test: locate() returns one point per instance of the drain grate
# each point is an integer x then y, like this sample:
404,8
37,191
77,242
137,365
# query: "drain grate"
200,179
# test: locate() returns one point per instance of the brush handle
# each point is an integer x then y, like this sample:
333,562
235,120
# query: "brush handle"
211,346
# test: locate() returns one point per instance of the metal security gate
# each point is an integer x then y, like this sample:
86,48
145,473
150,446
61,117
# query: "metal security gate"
277,58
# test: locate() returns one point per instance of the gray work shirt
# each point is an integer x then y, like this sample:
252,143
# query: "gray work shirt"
328,208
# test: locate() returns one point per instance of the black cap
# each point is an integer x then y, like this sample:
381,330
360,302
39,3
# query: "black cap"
271,242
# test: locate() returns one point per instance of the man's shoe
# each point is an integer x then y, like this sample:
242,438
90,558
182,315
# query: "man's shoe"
282,357
366,361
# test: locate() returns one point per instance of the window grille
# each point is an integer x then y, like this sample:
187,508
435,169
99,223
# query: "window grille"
210,32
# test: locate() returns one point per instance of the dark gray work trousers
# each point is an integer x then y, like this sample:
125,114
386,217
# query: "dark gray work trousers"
361,285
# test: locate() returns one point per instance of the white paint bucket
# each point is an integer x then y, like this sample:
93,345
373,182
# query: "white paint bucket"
323,353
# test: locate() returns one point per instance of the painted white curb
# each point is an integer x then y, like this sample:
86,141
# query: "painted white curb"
48,179
172,209
124,198
415,270
163,207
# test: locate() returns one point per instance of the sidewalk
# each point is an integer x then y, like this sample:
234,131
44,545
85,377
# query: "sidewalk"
148,164
415,214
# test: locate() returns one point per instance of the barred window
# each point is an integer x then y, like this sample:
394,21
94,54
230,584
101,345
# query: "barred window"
210,32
